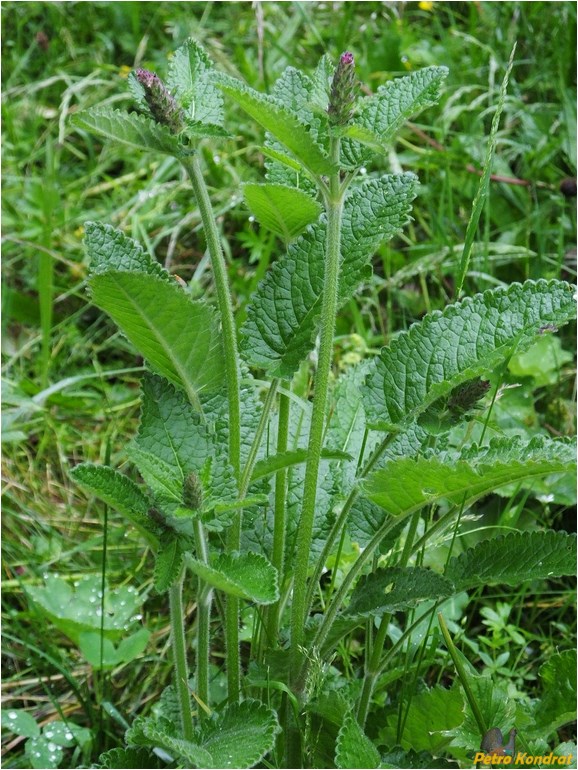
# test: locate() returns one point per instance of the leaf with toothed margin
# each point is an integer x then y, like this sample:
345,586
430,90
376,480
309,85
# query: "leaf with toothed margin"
283,317
190,81
353,747
468,339
119,492
128,128
110,249
178,336
510,559
249,576
282,122
406,484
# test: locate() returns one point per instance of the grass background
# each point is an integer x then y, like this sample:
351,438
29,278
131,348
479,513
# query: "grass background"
67,393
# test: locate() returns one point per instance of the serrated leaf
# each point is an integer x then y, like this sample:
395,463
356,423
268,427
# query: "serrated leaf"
406,484
468,339
430,715
128,128
179,337
353,748
241,736
380,116
19,722
557,706
390,589
190,81
110,249
513,558
495,704
172,443
168,564
269,465
283,317
119,492
283,123
130,758
238,737
249,576
281,209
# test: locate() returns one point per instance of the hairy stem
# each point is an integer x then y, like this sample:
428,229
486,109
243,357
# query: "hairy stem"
180,657
280,521
204,601
232,375
334,209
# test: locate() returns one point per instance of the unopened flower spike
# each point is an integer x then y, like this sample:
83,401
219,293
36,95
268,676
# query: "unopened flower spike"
161,104
343,91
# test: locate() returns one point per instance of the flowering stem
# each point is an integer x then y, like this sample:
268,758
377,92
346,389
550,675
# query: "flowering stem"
232,375
180,657
334,209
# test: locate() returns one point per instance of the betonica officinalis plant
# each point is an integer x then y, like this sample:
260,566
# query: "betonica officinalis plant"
252,485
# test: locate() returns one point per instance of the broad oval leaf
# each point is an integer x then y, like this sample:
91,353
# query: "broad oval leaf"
178,336
406,484
128,128
513,558
248,575
281,209
190,81
283,317
466,340
390,589
110,249
353,747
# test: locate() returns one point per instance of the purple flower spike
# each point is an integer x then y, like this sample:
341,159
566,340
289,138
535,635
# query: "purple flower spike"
343,91
161,104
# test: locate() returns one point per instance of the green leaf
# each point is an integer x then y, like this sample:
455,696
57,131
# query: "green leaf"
89,643
353,748
42,753
270,465
130,759
283,123
73,609
19,722
179,337
128,128
190,81
110,249
406,484
60,733
249,576
241,736
513,558
430,715
281,209
238,737
383,114
495,703
557,707
168,564
172,443
390,589
283,317
119,492
469,339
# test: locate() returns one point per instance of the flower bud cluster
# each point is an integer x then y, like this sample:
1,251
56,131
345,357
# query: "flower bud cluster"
343,91
161,104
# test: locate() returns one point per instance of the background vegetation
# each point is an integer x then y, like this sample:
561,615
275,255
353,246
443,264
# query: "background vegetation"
70,381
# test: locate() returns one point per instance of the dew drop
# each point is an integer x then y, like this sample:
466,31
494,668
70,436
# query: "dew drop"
251,218
68,736
12,715
48,733
52,747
